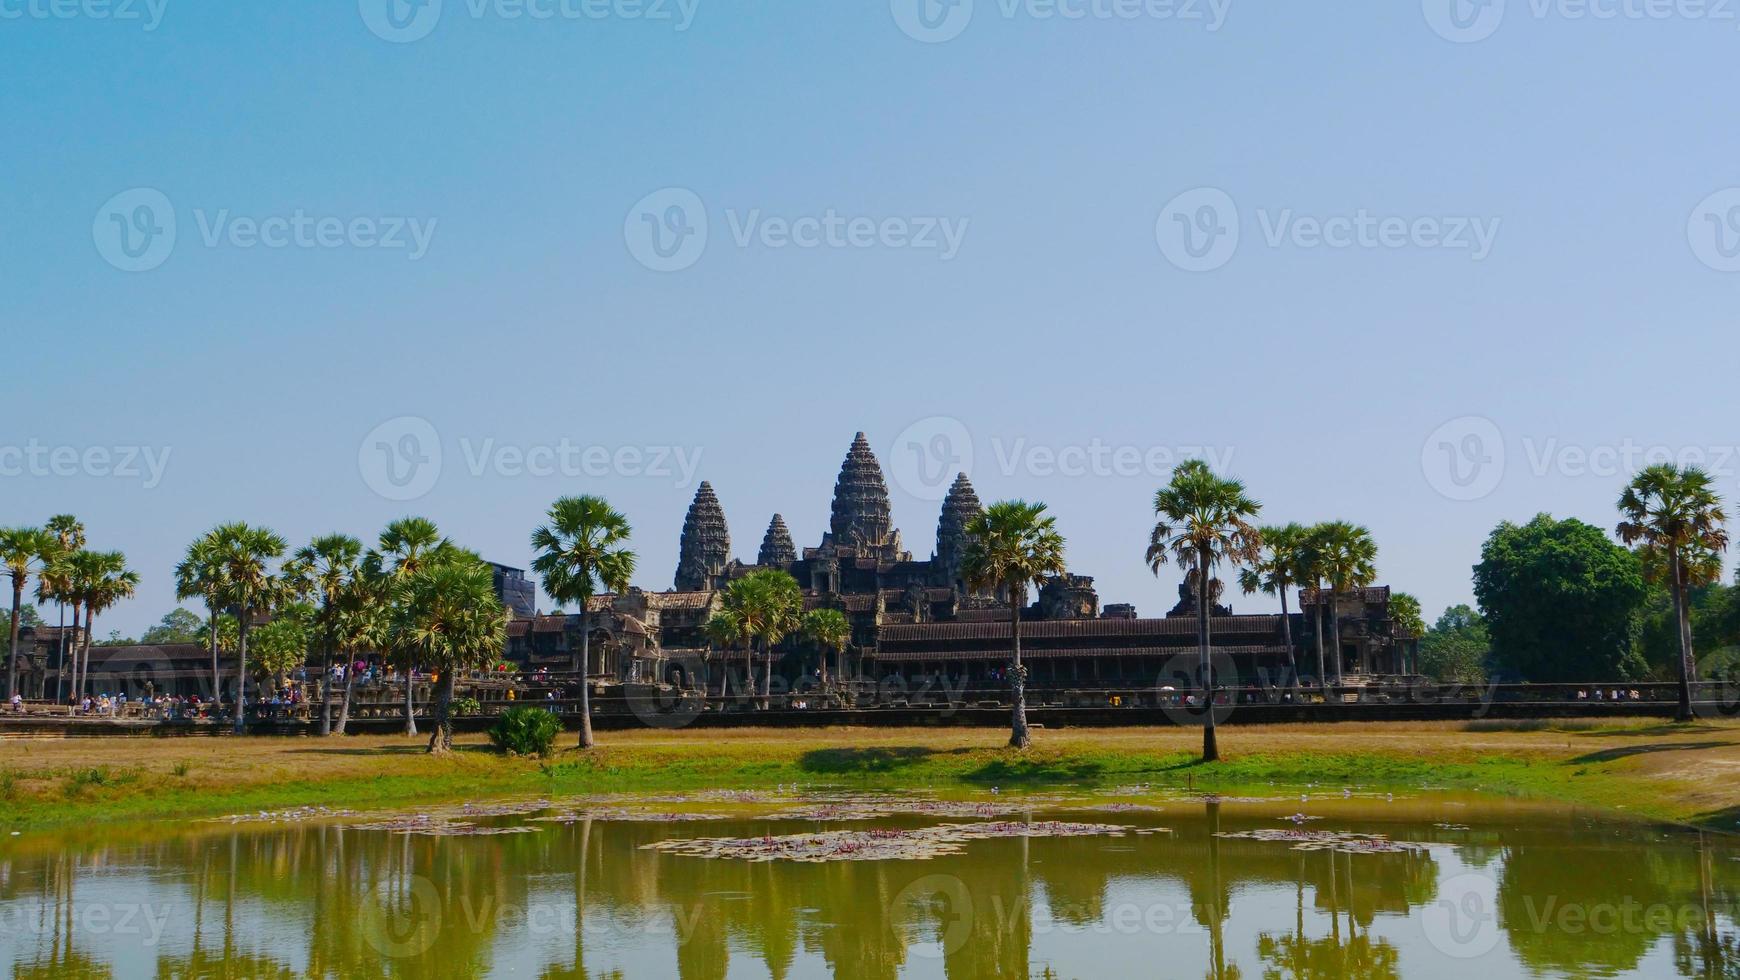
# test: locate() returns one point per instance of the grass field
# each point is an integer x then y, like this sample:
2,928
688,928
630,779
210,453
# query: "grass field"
1683,773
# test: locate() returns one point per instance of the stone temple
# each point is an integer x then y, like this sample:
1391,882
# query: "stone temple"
913,618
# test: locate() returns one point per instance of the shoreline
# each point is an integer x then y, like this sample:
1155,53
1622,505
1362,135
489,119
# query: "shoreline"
1669,773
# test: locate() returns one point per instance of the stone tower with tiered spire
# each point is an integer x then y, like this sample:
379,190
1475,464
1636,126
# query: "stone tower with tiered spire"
776,545
706,543
958,508
862,518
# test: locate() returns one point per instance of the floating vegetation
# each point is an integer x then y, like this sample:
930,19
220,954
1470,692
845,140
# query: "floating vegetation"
300,814
1328,840
627,814
432,826
872,845
874,809
1120,808
1301,817
1452,826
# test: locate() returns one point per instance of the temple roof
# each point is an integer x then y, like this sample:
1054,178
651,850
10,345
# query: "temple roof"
706,542
776,545
861,516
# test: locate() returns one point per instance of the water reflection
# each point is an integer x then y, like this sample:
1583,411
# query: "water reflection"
1506,890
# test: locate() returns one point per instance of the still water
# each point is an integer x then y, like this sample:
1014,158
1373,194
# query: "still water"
1082,883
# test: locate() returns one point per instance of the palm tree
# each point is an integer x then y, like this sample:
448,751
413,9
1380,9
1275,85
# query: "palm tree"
581,555
330,564
728,629
745,605
1010,545
69,536
21,552
405,547
1348,559
1275,570
1677,517
200,575
250,588
830,631
781,610
450,614
361,627
1204,520
103,581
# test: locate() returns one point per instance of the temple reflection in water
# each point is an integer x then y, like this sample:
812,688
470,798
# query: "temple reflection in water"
584,900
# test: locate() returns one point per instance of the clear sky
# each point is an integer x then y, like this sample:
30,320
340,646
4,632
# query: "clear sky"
482,231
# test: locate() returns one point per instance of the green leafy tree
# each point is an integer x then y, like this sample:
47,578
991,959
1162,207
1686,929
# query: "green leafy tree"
1455,648
581,553
726,629
1276,569
176,626
21,553
780,615
449,613
1011,545
1676,519
1560,601
54,583
1203,520
830,631
102,581
282,644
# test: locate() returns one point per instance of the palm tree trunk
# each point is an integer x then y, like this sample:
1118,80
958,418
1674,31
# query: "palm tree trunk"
344,706
441,738
1018,735
749,673
241,669
766,675
85,661
585,676
1682,622
410,698
12,650
1317,627
1205,666
1287,634
1335,635
326,693
217,680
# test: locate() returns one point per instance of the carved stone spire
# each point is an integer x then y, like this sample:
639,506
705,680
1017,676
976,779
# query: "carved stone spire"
862,518
706,544
958,508
776,546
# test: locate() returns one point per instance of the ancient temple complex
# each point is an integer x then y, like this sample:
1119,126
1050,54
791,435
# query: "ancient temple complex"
913,618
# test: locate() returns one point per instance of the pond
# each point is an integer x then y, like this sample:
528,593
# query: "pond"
1085,882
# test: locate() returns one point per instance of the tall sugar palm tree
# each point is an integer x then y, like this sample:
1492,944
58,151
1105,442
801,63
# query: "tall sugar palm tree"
746,603
21,553
449,612
725,629
361,628
1348,557
104,581
330,565
1011,545
200,575
1676,518
1276,570
251,589
406,546
1204,519
781,610
55,582
581,554
830,631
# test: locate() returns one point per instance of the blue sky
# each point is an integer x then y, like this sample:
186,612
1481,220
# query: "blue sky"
1538,214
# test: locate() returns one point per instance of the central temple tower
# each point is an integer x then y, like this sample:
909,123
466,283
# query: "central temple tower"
862,518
